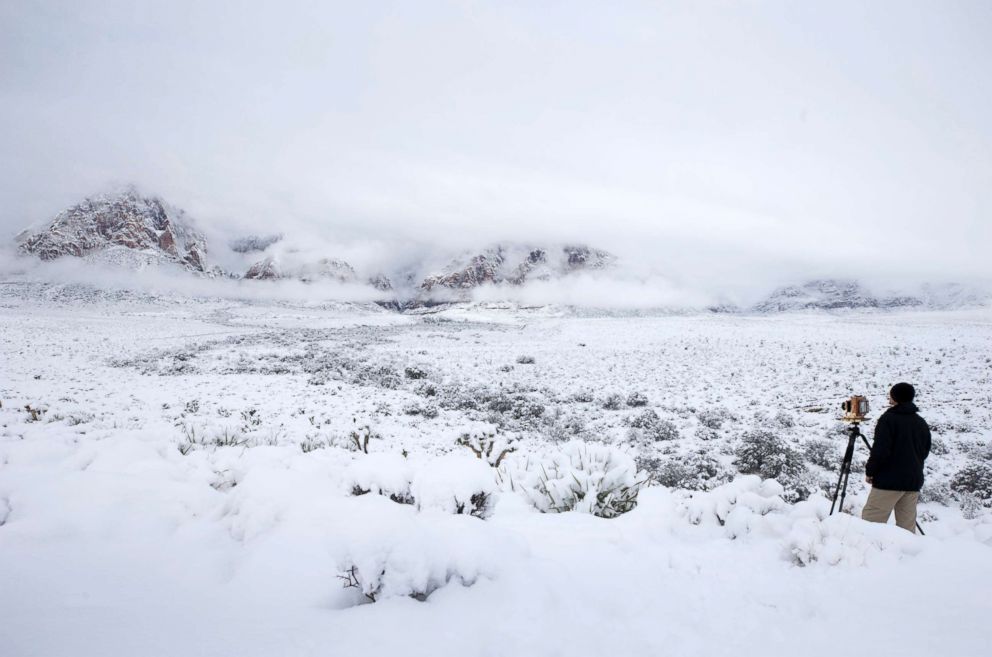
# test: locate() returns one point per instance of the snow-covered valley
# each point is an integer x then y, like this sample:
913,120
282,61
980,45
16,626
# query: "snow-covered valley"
190,476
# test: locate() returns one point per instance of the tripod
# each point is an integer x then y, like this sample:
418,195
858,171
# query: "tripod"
853,433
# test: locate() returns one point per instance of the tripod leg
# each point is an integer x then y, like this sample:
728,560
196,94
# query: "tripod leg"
837,489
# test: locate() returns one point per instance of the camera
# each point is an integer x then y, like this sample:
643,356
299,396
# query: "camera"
855,409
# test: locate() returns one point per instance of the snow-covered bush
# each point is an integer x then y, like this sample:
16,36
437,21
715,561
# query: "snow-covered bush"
767,455
744,496
714,418
824,453
490,446
397,552
938,447
974,479
636,399
842,540
388,475
525,360
696,471
587,477
647,425
455,483
613,402
935,492
413,372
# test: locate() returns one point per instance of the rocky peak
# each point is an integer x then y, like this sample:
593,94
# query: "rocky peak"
829,294
515,265
126,220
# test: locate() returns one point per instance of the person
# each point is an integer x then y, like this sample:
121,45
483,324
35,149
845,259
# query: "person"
895,466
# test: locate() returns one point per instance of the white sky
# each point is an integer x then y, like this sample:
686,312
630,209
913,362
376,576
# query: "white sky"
722,140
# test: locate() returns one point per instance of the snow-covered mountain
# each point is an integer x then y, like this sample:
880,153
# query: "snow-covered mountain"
829,294
515,264
271,268
133,230
125,228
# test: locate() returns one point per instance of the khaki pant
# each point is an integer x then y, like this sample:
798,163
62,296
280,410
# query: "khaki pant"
881,502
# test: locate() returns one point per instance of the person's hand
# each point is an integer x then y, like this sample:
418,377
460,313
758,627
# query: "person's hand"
868,479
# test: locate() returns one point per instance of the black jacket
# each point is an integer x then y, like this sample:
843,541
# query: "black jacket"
902,443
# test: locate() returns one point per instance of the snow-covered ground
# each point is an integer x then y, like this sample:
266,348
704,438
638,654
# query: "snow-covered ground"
185,476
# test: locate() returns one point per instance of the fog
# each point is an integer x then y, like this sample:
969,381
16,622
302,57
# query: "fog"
713,146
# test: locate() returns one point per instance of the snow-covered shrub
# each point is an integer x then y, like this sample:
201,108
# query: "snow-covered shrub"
824,453
455,483
696,471
713,418
842,540
938,447
974,479
312,443
389,475
647,425
784,420
613,402
734,503
767,455
428,411
935,492
490,446
706,433
636,399
358,439
583,397
587,477
413,372
525,360
399,554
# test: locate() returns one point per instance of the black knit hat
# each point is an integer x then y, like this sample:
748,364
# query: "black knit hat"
902,393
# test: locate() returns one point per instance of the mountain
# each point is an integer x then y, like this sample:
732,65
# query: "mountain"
271,268
832,294
514,265
124,228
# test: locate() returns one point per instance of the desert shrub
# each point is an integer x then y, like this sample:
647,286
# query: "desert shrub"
706,433
490,446
647,425
613,402
312,443
426,389
938,447
974,479
695,471
388,475
250,420
935,492
767,455
784,420
455,483
413,372
824,453
636,399
428,411
714,418
358,439
586,477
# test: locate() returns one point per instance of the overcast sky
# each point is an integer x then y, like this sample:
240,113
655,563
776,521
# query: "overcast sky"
712,139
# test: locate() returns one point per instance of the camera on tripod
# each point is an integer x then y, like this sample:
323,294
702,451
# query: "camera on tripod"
855,409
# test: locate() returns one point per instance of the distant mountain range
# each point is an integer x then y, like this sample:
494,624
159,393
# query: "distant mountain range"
132,230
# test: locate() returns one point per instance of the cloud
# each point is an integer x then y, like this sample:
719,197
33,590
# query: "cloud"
709,144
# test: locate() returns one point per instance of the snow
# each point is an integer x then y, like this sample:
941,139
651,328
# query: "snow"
188,486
